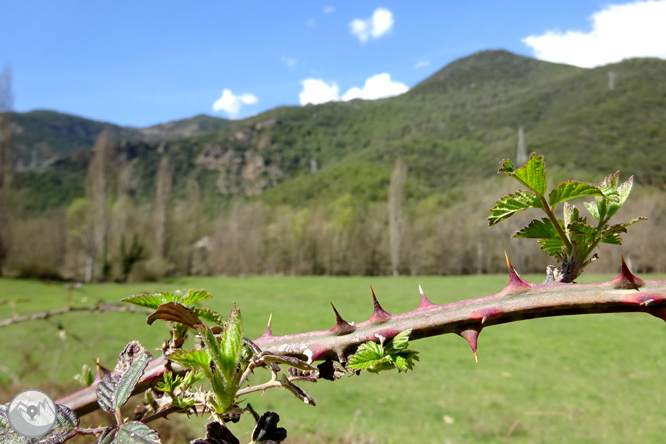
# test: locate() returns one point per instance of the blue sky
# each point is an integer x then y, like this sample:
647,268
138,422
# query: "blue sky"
145,62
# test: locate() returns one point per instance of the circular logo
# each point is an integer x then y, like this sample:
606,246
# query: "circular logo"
32,413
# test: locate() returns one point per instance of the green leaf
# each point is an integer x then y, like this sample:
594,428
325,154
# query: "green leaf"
231,343
592,209
195,296
116,387
133,432
551,246
538,229
153,300
220,372
506,167
368,355
571,190
548,238
192,359
611,235
209,315
532,175
398,343
512,204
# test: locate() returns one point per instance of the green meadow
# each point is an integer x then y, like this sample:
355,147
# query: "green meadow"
578,379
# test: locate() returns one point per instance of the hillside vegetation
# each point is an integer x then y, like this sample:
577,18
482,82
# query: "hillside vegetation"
299,185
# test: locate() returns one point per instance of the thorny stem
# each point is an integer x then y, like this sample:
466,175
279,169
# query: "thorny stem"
47,314
520,300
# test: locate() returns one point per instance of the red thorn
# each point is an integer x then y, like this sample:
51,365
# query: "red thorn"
626,280
268,333
471,336
516,283
341,327
425,302
379,314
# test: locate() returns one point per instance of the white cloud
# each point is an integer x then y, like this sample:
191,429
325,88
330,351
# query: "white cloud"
618,32
376,87
329,10
317,91
422,64
231,103
376,26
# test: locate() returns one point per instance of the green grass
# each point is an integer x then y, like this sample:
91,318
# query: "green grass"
579,379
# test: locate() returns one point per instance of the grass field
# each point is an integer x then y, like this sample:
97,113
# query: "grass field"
579,379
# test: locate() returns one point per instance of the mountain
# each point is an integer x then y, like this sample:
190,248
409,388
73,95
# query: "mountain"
451,129
42,136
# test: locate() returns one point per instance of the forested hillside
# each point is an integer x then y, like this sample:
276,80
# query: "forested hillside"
304,189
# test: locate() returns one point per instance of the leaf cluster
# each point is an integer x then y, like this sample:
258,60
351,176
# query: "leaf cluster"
570,239
376,357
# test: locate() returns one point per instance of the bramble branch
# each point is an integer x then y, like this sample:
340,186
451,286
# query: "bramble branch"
519,300
60,311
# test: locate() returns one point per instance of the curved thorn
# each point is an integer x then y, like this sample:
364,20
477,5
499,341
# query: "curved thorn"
516,283
379,314
626,280
269,332
341,326
425,302
471,336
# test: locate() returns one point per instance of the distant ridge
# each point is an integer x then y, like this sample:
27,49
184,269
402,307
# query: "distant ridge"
491,67
43,135
451,130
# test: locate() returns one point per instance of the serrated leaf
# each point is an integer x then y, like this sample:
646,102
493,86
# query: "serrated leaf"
153,300
538,229
512,204
116,387
209,315
506,167
195,296
367,355
571,190
192,359
133,432
217,433
583,229
231,344
592,209
611,235
175,312
552,246
221,378
267,431
398,343
532,174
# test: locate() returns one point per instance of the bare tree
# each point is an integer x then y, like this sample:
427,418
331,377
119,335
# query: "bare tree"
611,80
163,187
521,152
97,190
6,162
395,202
